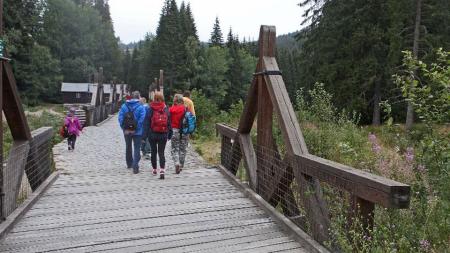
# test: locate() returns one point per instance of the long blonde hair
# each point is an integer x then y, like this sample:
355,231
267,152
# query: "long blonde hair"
159,97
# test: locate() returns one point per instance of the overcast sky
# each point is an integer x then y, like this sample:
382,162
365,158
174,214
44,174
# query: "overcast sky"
134,18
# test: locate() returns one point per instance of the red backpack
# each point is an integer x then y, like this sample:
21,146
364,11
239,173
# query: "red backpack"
160,119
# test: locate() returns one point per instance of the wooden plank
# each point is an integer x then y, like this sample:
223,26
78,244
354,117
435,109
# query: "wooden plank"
250,158
12,106
264,138
199,240
7,225
307,242
364,211
286,116
250,109
227,131
377,189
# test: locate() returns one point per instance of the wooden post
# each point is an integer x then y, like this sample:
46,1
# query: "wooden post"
1,118
362,210
161,81
156,82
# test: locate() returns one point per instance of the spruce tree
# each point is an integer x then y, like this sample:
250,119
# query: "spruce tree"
216,35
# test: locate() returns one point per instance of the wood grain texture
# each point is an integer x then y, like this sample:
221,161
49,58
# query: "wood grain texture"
97,205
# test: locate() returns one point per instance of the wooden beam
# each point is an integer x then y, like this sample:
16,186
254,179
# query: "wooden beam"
227,131
1,113
249,155
250,109
377,189
12,106
264,138
287,119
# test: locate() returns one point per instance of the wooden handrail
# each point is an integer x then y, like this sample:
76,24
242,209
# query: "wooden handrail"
379,190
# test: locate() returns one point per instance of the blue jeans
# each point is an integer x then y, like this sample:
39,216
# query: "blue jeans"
145,146
133,151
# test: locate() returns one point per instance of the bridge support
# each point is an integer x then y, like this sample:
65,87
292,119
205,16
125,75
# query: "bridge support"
291,180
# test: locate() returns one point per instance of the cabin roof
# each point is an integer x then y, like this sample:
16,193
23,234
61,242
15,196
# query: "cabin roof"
87,87
75,87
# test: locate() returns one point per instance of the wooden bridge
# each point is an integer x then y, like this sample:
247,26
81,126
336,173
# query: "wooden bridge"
87,201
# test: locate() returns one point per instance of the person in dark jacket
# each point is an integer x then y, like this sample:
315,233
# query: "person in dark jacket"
159,131
133,137
145,146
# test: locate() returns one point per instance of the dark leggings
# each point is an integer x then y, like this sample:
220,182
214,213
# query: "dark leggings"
158,145
71,140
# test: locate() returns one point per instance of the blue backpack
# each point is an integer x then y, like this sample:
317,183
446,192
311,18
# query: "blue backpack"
189,123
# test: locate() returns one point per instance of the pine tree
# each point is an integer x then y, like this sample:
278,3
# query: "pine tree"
216,35
127,66
190,22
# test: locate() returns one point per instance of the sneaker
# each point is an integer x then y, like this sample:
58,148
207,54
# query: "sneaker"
161,174
135,171
154,172
69,148
177,169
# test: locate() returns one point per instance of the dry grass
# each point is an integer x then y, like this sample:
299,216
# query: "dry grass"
209,150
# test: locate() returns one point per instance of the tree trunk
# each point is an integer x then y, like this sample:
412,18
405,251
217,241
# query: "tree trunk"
376,118
410,110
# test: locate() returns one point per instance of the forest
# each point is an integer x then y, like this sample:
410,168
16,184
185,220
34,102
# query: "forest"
369,80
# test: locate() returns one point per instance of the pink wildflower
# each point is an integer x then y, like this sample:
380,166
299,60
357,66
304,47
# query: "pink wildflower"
425,245
376,148
421,168
372,138
409,155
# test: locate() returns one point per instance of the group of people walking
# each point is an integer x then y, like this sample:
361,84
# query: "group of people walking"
155,124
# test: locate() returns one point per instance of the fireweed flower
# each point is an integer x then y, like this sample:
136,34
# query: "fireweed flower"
372,138
424,245
376,148
421,168
409,155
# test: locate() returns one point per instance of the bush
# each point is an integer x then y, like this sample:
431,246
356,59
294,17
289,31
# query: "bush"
419,158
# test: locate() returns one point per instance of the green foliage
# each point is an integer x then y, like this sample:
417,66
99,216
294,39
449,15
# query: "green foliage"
427,86
206,111
420,158
55,40
212,77
41,77
354,47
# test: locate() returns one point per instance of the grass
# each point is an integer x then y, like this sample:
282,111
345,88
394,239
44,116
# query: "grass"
37,117
208,148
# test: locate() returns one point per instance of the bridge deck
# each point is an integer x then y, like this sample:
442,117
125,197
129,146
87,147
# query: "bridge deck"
99,205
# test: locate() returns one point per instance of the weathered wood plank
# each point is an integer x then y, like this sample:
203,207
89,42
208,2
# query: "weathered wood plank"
250,158
250,109
227,131
379,190
12,105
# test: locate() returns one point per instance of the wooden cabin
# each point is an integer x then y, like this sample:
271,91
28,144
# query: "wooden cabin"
81,93
76,93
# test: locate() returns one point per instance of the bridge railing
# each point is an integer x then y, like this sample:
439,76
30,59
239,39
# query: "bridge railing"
27,165
305,188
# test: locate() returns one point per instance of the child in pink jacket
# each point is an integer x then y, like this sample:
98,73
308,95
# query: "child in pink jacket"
72,123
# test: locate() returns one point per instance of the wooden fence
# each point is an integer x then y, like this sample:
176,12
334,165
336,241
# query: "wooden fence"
99,109
291,179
